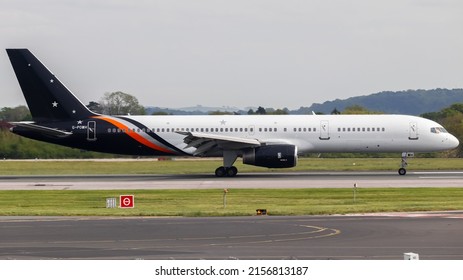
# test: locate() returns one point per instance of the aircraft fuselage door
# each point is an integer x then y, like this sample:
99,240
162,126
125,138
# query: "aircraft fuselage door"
91,131
324,130
413,131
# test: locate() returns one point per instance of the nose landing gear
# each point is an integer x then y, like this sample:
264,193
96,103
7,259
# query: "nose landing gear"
402,170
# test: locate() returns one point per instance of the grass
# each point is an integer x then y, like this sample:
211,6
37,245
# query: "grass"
79,167
240,202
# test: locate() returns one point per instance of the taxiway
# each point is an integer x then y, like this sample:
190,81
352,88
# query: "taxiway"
434,236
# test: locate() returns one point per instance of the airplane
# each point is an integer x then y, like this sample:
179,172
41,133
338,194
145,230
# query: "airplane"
272,141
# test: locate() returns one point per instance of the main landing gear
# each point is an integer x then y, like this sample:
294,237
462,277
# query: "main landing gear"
404,164
228,170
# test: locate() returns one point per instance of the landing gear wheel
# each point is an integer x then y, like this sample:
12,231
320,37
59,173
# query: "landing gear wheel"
226,171
404,164
231,171
220,172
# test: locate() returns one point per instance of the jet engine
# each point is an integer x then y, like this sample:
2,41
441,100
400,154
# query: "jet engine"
272,156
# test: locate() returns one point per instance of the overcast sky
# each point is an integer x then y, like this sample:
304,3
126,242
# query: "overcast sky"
291,53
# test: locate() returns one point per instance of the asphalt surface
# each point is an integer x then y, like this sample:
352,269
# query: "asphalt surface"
251,180
435,236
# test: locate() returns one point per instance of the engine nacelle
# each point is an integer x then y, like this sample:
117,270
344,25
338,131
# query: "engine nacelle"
272,156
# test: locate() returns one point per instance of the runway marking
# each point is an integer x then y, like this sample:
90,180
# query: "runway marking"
313,233
326,232
419,215
438,172
441,177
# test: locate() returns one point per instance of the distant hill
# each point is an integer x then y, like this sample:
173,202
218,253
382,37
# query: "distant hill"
410,102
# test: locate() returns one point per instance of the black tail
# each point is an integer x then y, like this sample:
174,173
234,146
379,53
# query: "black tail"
48,99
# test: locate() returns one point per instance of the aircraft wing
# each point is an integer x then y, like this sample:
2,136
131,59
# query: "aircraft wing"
29,126
209,143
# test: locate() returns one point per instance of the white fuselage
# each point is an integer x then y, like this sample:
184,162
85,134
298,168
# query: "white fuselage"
311,133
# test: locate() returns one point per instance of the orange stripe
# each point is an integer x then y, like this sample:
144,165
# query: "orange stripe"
133,134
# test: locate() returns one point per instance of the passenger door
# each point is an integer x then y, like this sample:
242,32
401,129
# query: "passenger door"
324,130
413,131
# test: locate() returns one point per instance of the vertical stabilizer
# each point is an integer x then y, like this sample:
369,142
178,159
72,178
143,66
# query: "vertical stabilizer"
47,98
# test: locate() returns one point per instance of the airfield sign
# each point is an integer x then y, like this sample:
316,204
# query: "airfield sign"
126,201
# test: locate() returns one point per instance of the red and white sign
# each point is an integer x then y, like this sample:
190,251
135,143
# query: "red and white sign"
126,201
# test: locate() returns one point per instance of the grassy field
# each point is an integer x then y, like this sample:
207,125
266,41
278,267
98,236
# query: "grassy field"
239,201
78,167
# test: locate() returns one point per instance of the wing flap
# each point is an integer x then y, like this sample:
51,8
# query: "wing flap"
209,143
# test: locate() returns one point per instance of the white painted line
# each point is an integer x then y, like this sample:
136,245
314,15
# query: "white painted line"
437,172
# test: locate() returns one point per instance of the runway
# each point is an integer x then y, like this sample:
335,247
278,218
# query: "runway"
245,180
435,236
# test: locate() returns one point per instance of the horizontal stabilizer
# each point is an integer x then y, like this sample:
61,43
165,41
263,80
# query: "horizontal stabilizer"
29,126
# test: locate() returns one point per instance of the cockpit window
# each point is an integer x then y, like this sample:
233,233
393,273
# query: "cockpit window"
438,130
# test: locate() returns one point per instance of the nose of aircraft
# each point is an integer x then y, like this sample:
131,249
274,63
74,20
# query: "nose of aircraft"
452,141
